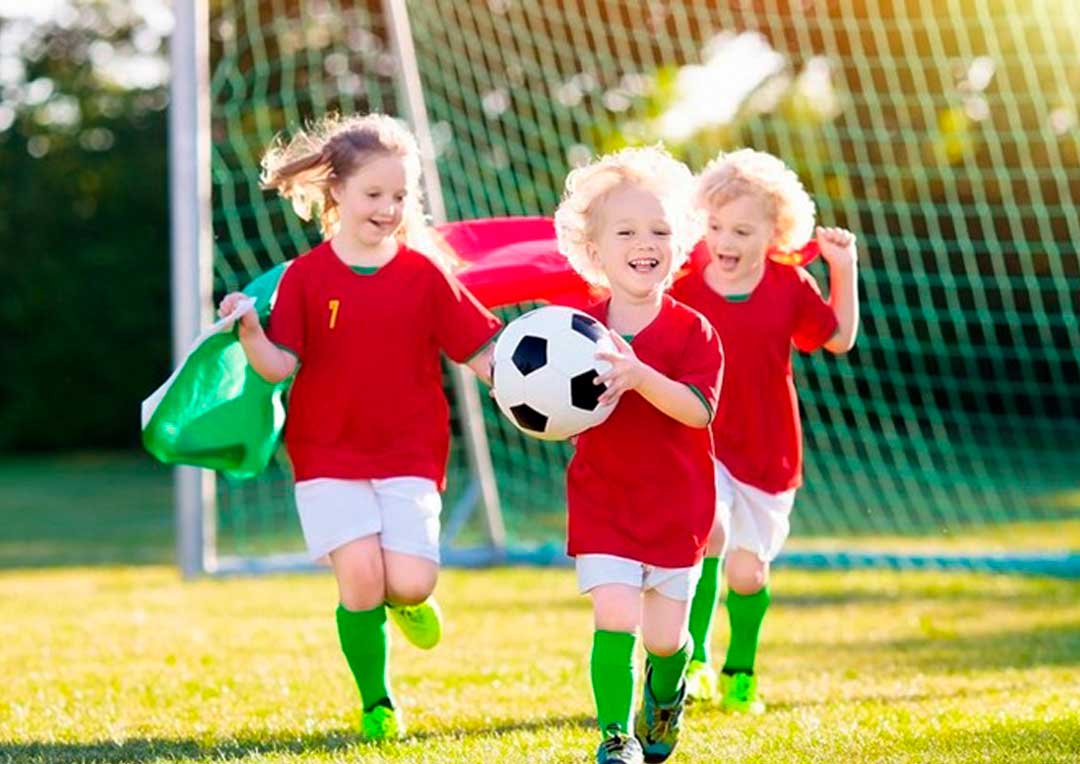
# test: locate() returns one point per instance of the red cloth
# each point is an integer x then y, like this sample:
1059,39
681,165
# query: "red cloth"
757,432
640,485
513,260
368,400
516,259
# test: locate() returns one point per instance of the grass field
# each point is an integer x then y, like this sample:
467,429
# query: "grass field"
108,661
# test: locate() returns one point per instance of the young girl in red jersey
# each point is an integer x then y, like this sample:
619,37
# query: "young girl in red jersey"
759,308
640,490
361,319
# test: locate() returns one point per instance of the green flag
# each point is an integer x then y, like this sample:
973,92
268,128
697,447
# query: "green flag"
215,411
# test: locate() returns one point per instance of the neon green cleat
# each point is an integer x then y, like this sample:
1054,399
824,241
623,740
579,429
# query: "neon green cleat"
421,624
740,693
382,724
701,682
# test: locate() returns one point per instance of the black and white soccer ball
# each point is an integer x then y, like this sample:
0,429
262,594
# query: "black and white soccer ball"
545,367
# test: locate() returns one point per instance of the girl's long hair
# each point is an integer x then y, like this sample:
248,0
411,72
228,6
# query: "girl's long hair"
304,168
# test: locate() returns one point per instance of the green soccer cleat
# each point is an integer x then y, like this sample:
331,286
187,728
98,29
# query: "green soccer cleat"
701,682
421,624
619,748
381,724
740,693
657,726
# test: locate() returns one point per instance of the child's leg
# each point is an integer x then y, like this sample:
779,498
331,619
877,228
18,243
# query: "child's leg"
703,607
616,612
410,508
361,618
760,523
341,524
747,601
668,644
706,596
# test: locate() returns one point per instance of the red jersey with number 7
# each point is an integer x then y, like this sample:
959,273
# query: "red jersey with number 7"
368,400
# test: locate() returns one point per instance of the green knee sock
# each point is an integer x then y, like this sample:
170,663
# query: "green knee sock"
668,672
612,668
745,613
366,644
703,607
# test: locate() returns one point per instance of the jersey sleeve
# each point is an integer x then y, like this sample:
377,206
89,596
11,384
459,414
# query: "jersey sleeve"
463,326
815,321
286,326
703,362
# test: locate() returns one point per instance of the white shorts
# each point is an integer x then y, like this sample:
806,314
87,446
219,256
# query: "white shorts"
595,570
403,510
752,519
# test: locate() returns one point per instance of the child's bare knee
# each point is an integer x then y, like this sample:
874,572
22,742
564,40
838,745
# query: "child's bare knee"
410,592
747,575
662,646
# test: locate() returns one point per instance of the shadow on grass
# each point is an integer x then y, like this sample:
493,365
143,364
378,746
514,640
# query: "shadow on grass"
138,750
941,650
889,698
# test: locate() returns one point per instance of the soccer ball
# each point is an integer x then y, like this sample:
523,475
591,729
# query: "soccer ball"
545,365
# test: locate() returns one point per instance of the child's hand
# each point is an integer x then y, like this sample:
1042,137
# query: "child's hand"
837,246
626,373
248,321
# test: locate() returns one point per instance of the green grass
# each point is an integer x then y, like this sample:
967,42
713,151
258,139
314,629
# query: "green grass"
131,665
108,657
85,509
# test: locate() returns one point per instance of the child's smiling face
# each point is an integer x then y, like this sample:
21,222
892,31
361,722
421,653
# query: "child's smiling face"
372,199
739,233
631,241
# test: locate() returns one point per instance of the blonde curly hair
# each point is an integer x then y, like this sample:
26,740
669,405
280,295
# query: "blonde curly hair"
587,188
746,171
304,168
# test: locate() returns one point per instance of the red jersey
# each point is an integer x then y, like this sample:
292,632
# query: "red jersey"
368,399
756,431
640,485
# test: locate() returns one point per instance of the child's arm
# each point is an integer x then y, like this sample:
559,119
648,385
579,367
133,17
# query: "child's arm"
269,361
675,399
481,363
838,249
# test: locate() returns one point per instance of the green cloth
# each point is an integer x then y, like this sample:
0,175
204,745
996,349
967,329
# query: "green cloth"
215,411
704,606
667,672
612,668
745,614
366,644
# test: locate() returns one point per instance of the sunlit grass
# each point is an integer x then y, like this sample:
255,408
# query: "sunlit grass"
131,665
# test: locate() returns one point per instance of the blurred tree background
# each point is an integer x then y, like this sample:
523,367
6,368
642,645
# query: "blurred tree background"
84,301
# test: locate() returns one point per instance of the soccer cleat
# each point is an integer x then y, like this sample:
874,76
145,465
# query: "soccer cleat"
381,723
656,725
740,693
619,748
701,682
421,624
